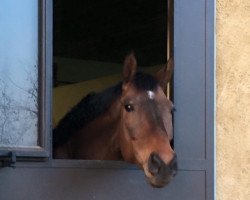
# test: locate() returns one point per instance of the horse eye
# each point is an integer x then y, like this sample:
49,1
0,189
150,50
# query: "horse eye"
129,107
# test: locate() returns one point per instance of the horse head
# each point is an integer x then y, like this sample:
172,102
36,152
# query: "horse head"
146,122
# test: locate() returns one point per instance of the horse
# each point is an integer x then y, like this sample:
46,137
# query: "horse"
130,121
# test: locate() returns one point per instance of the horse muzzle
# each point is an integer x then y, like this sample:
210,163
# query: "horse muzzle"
161,173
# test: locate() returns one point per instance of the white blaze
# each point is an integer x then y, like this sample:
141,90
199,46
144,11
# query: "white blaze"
151,95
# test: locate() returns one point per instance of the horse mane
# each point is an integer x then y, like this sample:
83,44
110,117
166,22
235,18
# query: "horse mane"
93,105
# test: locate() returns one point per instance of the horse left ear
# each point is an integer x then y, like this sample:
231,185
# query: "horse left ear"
129,67
164,75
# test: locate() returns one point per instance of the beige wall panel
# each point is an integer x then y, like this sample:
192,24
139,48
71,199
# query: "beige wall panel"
233,99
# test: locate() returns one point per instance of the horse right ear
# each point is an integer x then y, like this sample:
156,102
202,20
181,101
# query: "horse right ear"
129,68
164,75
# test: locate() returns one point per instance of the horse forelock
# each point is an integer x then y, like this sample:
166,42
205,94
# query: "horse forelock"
145,82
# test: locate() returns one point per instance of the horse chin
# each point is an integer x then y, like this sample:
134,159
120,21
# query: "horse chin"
158,182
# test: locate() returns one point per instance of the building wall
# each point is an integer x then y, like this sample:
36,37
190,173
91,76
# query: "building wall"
233,99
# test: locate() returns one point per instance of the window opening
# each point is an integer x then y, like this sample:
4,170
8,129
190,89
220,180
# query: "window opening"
92,38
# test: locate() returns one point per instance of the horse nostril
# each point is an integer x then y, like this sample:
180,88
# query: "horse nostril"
154,164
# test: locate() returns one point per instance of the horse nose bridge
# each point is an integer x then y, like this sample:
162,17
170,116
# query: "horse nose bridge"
161,144
154,115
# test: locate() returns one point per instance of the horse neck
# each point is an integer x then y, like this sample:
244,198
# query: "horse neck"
101,135
110,124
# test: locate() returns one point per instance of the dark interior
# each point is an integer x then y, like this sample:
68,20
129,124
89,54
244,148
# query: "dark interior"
107,30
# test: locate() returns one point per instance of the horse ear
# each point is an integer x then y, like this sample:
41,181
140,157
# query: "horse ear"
164,75
129,67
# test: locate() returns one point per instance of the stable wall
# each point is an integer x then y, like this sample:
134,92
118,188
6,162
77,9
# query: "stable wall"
233,99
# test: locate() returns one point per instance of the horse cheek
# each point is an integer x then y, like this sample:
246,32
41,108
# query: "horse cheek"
126,146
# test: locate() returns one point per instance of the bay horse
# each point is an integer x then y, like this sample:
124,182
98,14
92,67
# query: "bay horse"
130,121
